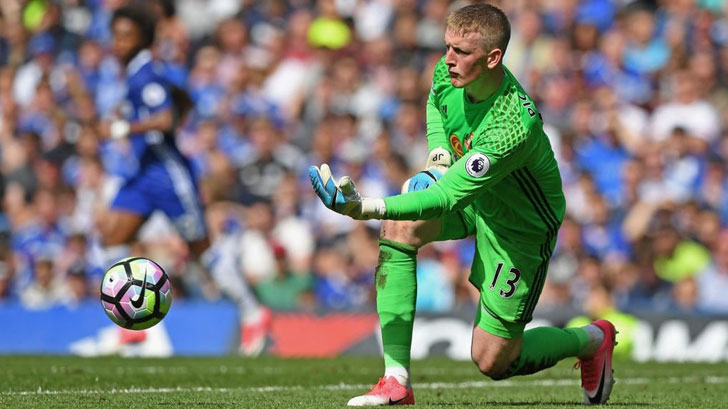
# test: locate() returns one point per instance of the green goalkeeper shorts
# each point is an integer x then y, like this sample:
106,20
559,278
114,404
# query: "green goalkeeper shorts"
510,276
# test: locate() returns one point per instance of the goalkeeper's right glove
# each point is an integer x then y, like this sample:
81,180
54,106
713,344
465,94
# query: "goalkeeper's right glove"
343,197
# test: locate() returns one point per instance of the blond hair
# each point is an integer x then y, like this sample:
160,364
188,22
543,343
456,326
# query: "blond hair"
488,21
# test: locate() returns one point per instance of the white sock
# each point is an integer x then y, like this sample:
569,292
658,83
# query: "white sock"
399,373
596,336
221,260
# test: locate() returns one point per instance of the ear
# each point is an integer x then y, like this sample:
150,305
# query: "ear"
494,57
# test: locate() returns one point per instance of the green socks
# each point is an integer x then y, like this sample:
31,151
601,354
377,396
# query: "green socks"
396,284
543,347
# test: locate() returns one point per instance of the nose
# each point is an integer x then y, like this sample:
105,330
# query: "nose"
450,57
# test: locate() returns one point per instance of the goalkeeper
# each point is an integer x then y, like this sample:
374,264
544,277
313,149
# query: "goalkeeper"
504,188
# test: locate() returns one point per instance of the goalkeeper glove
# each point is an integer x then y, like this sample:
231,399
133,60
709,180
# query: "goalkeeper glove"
439,159
422,180
438,162
343,198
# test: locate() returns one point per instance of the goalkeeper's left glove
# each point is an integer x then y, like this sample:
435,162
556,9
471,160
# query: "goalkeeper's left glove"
438,162
343,197
439,159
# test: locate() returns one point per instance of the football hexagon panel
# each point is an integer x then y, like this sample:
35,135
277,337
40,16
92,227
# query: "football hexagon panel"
152,321
165,301
114,281
165,298
144,269
132,295
155,273
113,312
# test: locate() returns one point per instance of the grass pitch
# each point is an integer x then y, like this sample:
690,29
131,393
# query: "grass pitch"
70,382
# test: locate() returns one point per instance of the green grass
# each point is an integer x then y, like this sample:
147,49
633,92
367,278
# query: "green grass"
69,382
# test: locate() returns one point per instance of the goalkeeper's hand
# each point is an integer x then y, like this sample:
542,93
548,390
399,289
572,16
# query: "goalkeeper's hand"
438,162
343,197
422,180
439,159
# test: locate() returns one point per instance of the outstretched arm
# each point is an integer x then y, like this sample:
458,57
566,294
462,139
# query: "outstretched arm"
152,97
468,177
343,197
120,128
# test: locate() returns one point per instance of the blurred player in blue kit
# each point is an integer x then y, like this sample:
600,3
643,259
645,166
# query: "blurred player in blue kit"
163,178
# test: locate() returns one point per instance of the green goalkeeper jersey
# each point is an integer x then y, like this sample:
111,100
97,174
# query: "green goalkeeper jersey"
505,166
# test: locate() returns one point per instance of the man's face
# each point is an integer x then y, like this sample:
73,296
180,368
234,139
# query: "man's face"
465,57
126,39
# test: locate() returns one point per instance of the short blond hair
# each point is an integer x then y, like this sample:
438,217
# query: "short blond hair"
487,20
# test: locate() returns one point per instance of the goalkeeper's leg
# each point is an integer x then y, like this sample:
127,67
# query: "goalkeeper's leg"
539,348
510,277
396,285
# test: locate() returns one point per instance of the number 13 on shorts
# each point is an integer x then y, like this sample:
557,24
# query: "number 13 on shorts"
511,282
509,292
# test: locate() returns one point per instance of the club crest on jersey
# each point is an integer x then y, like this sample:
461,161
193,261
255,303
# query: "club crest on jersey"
153,94
457,146
477,165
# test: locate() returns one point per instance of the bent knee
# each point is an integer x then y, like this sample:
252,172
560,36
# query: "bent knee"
493,370
414,233
495,367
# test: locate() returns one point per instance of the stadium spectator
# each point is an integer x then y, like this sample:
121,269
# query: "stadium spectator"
712,280
435,289
685,297
339,286
287,290
6,268
687,109
46,290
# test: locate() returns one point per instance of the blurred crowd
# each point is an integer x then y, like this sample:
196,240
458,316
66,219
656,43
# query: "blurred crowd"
634,95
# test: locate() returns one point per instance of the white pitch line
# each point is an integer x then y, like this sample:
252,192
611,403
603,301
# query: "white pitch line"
343,386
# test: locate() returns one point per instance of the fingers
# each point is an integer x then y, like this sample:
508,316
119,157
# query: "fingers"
319,176
439,157
314,174
347,186
318,184
323,184
329,191
325,172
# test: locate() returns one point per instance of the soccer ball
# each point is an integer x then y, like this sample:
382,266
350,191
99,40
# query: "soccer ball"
136,293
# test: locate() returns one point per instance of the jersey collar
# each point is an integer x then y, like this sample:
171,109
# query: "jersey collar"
488,101
139,60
